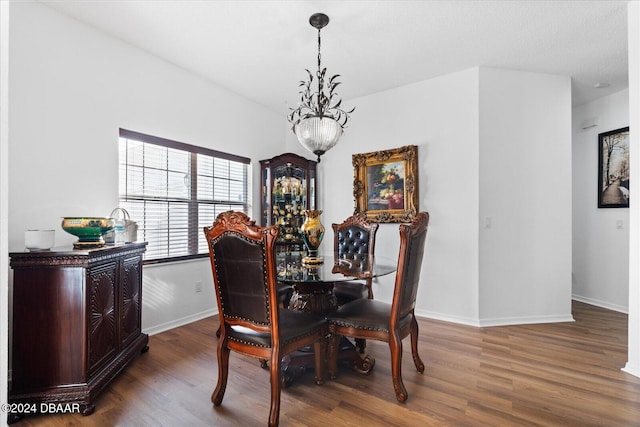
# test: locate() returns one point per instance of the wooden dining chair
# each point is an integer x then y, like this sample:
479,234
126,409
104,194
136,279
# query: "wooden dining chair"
372,319
243,263
354,240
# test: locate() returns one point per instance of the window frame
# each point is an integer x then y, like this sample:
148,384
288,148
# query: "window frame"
194,233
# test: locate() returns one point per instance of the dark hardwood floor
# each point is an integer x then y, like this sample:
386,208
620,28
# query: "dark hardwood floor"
550,375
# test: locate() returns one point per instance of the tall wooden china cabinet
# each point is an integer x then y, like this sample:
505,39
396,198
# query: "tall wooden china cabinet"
288,189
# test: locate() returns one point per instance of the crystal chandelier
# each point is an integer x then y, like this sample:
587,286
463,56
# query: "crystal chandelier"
319,120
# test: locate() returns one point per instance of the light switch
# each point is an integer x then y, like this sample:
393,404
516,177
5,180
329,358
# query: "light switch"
619,224
487,222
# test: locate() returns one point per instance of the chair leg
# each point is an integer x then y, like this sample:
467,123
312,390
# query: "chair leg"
395,345
223,372
414,346
319,349
361,344
275,380
334,348
370,288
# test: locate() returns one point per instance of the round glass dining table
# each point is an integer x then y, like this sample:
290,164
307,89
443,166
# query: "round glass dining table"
313,284
313,292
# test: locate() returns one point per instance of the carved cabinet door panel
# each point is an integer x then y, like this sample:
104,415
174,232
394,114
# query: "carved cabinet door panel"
131,299
48,327
101,288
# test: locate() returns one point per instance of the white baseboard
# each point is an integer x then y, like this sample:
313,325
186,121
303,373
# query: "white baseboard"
503,321
508,321
447,318
632,369
602,304
481,323
180,322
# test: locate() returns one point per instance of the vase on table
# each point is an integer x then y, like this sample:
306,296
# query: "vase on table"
312,232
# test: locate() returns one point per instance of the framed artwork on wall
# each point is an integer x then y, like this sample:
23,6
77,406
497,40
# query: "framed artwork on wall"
385,184
613,169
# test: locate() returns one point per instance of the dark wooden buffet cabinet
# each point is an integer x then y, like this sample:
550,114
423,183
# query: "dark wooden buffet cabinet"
76,322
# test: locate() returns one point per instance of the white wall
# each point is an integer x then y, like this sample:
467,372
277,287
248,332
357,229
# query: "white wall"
4,197
72,87
481,135
633,362
440,116
600,248
525,195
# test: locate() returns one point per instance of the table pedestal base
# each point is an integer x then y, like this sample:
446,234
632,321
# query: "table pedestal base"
313,298
318,297
296,364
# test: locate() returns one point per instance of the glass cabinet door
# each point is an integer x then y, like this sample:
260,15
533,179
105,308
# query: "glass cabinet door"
288,189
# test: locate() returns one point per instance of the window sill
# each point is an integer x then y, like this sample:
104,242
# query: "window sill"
174,260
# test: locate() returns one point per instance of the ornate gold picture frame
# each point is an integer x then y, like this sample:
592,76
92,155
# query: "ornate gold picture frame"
385,184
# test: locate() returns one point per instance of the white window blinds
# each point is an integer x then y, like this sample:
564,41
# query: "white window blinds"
173,190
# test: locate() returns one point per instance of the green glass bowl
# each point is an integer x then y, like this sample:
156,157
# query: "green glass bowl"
89,230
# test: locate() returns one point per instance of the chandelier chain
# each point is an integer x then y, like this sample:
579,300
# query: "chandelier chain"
319,55
319,74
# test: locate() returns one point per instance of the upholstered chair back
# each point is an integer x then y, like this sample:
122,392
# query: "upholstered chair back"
412,242
242,268
354,240
241,258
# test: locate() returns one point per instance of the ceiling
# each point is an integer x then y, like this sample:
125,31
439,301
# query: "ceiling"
260,49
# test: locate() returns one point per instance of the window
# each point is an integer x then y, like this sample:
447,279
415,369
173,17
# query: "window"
172,190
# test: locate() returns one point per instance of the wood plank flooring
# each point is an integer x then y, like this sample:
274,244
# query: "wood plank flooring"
563,374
